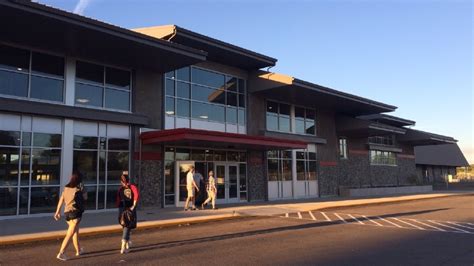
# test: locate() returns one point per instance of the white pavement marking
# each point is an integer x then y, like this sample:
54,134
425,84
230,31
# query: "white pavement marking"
390,222
299,215
287,215
312,216
421,228
365,217
325,216
425,224
340,218
464,231
356,219
460,225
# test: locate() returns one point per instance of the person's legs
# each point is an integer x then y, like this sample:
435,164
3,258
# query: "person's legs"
125,239
207,200
187,202
75,237
213,196
70,232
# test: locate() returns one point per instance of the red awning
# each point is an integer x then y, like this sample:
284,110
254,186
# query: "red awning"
214,139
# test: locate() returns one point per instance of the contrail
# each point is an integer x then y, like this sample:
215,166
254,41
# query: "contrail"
81,6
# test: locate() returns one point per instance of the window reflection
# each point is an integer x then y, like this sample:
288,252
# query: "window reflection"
101,86
46,166
15,84
209,94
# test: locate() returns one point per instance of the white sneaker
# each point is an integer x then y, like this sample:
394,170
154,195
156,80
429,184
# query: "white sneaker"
61,256
81,251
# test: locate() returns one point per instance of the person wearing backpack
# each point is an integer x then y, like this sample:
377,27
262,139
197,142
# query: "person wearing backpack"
127,198
73,197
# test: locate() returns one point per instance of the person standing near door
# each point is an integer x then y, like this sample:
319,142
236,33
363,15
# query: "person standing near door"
211,191
190,187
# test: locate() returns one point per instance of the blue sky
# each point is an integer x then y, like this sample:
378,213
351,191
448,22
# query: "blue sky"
417,55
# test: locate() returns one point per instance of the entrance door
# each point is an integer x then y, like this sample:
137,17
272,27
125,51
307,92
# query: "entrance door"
280,184
182,169
227,182
306,184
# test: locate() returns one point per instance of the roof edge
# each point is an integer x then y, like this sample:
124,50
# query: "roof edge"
104,27
302,83
216,42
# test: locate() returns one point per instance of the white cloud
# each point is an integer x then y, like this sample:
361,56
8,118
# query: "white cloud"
81,6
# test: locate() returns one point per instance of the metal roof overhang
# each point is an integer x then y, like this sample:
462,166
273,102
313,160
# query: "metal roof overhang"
388,120
214,139
349,126
43,27
218,51
288,89
421,138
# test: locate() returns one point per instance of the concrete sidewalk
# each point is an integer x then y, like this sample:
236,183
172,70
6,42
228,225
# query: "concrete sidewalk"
24,230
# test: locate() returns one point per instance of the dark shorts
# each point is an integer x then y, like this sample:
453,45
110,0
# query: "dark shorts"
72,215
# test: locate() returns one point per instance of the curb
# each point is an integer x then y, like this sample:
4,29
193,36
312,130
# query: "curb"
109,229
393,202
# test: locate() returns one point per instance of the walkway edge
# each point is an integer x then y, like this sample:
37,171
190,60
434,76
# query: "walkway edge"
108,229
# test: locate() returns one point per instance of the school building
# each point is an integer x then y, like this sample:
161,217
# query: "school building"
81,94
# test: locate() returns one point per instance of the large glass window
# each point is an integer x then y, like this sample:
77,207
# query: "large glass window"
200,94
101,160
383,158
30,165
305,165
279,165
280,117
31,74
102,86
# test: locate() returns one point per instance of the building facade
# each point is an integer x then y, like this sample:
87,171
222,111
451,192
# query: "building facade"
150,102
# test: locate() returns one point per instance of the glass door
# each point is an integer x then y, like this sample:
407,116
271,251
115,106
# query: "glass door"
182,169
232,183
227,182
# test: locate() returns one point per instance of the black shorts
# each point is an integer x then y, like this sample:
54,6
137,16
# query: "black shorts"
72,215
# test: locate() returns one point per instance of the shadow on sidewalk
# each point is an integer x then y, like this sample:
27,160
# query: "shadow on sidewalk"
200,240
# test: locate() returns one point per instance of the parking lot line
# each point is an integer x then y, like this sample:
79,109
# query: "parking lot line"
312,216
325,216
408,223
461,230
355,219
390,222
299,215
340,218
439,229
365,217
460,225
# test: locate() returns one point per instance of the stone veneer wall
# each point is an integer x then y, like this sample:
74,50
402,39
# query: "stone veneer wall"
407,172
328,180
150,182
356,171
257,176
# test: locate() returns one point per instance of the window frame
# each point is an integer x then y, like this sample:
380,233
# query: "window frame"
292,117
29,73
383,158
104,86
225,91
343,148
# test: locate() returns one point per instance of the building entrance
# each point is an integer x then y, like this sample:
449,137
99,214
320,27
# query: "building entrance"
227,181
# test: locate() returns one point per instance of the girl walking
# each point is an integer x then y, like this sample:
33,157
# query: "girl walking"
127,199
211,191
72,197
